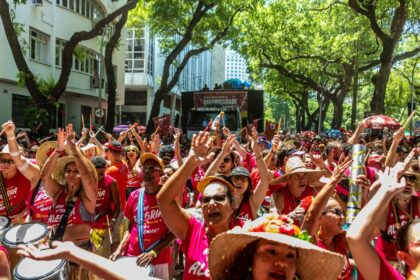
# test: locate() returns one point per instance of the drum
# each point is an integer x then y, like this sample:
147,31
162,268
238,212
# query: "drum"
129,264
31,233
4,224
27,269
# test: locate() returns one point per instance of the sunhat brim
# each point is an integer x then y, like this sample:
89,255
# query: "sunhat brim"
313,175
147,156
58,172
209,179
314,263
89,146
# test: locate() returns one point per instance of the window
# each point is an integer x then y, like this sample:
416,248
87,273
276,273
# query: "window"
135,51
136,98
38,46
19,104
59,47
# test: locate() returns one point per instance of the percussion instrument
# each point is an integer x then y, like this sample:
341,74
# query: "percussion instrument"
129,264
28,269
30,233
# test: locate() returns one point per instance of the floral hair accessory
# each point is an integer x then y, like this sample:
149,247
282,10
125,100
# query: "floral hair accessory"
275,223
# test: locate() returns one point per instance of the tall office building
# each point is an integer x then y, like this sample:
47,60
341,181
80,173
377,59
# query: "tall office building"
235,66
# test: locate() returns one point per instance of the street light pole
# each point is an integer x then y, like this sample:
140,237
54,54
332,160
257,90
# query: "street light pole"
101,73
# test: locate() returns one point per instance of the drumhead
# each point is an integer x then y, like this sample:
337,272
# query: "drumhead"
24,234
31,269
4,222
129,264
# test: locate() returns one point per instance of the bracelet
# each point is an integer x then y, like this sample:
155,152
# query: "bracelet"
15,154
11,138
153,252
23,167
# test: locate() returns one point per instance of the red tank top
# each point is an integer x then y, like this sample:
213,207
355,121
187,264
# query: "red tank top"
134,178
291,202
244,212
58,210
396,218
17,188
104,204
40,208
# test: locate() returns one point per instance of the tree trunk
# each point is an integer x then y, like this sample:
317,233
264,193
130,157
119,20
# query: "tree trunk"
155,110
110,73
338,115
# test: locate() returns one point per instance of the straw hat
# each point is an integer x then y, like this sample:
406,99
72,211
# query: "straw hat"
210,179
313,262
46,149
147,156
5,150
58,172
296,165
89,146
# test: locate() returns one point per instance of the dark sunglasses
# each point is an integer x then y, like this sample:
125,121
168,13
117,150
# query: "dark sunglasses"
226,160
336,211
131,150
412,179
217,198
7,161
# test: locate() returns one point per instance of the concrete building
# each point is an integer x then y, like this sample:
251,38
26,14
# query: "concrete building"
47,26
143,70
235,66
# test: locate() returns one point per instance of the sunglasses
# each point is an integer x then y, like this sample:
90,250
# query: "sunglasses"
226,160
240,178
7,161
412,179
336,211
217,198
131,151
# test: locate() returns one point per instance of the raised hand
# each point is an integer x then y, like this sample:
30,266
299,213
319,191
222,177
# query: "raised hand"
389,179
61,138
253,140
399,134
9,128
317,160
226,131
340,169
70,135
84,132
200,146
228,145
275,143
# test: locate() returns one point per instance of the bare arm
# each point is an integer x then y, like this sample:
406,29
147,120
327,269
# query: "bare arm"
176,218
88,194
4,267
97,143
260,191
115,196
362,228
123,244
354,139
30,171
278,198
177,149
390,158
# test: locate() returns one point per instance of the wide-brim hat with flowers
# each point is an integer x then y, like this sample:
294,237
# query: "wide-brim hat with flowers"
296,165
59,169
46,149
313,262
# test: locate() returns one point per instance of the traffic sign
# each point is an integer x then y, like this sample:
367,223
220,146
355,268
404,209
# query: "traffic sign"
99,113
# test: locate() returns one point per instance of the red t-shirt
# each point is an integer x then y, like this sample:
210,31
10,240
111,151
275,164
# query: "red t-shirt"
244,212
154,226
196,249
17,188
340,246
386,271
134,179
291,202
104,205
41,206
119,171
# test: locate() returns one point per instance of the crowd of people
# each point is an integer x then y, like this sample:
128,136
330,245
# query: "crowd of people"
217,207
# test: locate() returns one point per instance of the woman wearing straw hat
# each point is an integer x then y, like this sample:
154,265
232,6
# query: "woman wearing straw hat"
271,247
18,177
217,207
295,185
71,182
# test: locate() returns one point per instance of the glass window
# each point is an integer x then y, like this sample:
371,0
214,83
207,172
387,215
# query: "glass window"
38,46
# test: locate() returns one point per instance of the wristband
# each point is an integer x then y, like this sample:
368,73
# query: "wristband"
23,167
11,138
153,252
15,154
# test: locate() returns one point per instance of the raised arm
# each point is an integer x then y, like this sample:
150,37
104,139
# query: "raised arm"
260,191
83,138
177,149
95,141
52,188
89,184
30,171
362,228
311,220
390,158
226,149
176,218
354,139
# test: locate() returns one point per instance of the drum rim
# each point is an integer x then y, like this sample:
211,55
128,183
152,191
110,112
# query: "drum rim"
9,222
16,275
16,244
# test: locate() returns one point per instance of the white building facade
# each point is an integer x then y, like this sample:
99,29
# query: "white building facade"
235,66
47,27
143,70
